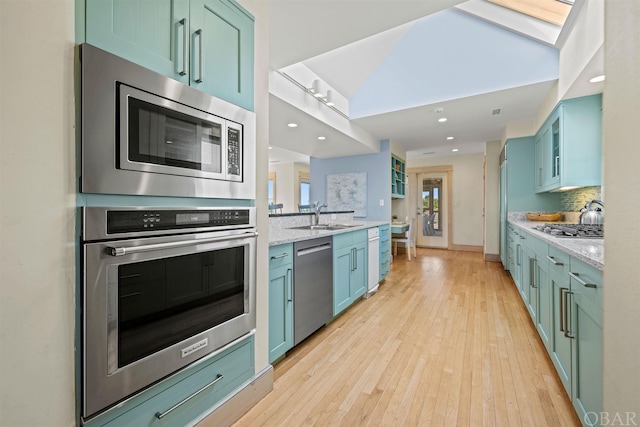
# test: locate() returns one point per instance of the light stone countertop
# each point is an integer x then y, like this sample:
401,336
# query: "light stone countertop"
590,251
280,235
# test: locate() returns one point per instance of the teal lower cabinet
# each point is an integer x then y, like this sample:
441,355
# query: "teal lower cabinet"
585,331
280,300
564,298
560,343
543,289
385,250
188,395
529,283
349,268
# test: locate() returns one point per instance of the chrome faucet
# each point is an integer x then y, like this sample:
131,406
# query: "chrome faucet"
317,207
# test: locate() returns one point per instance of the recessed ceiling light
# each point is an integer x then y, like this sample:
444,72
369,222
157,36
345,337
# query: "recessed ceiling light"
293,125
442,119
270,148
449,138
322,138
597,79
454,150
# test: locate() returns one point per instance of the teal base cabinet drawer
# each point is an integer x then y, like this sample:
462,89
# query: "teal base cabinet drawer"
385,250
181,399
280,255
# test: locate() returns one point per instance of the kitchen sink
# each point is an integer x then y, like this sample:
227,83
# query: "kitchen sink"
325,227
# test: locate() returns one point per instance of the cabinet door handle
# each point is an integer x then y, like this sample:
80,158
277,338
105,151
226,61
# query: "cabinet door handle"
561,308
280,256
161,415
539,177
354,259
556,166
553,260
532,272
289,284
582,282
183,22
200,78
567,313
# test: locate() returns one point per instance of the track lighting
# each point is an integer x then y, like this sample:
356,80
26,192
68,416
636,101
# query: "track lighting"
329,98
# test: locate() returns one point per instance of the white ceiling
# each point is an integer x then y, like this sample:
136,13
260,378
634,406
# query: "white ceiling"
343,42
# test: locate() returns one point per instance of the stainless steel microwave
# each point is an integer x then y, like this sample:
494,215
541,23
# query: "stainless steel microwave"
146,134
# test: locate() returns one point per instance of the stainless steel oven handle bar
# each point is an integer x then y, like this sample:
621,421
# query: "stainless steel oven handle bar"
146,248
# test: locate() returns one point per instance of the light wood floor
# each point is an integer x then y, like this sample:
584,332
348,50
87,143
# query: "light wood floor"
446,341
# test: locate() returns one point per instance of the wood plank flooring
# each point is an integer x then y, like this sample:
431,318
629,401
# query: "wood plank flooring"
446,341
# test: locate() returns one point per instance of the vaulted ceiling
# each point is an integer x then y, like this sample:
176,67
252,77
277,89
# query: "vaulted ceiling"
398,66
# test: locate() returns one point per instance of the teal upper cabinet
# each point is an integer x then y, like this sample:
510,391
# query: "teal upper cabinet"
205,43
153,34
398,178
570,149
222,50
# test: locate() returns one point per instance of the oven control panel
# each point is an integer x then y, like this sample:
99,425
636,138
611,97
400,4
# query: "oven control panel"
131,221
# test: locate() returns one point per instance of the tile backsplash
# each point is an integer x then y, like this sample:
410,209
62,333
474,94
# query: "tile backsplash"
574,200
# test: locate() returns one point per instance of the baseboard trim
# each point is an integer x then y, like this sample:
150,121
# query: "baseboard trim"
238,404
492,258
466,248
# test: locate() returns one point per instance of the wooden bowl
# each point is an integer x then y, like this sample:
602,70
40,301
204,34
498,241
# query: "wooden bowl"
544,216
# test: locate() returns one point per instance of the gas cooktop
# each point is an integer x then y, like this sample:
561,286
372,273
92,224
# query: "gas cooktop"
580,231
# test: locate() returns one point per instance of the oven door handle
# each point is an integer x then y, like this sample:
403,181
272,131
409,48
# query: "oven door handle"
115,251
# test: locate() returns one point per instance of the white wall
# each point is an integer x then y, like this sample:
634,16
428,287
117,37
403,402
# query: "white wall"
37,214
586,37
467,197
621,151
492,198
260,10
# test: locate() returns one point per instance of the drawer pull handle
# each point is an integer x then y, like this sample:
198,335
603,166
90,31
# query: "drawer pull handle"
582,282
553,260
280,256
182,402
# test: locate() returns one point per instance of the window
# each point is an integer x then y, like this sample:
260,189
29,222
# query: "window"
272,188
305,185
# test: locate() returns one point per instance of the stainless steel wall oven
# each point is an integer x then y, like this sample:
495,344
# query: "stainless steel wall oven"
147,134
162,287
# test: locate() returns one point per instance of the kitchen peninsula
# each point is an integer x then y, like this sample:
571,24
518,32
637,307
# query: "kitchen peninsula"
320,264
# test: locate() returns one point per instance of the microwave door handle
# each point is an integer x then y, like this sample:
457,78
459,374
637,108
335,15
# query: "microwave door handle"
120,251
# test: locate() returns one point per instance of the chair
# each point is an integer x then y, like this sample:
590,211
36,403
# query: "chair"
275,208
409,240
304,208
430,230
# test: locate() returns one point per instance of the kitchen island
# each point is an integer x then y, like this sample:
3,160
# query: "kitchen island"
318,267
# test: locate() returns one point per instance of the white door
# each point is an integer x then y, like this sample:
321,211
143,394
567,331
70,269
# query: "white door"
431,215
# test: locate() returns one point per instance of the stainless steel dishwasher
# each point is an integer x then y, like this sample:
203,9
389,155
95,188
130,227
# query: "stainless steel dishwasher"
312,286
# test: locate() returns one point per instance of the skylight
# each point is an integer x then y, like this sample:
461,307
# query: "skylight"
553,11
